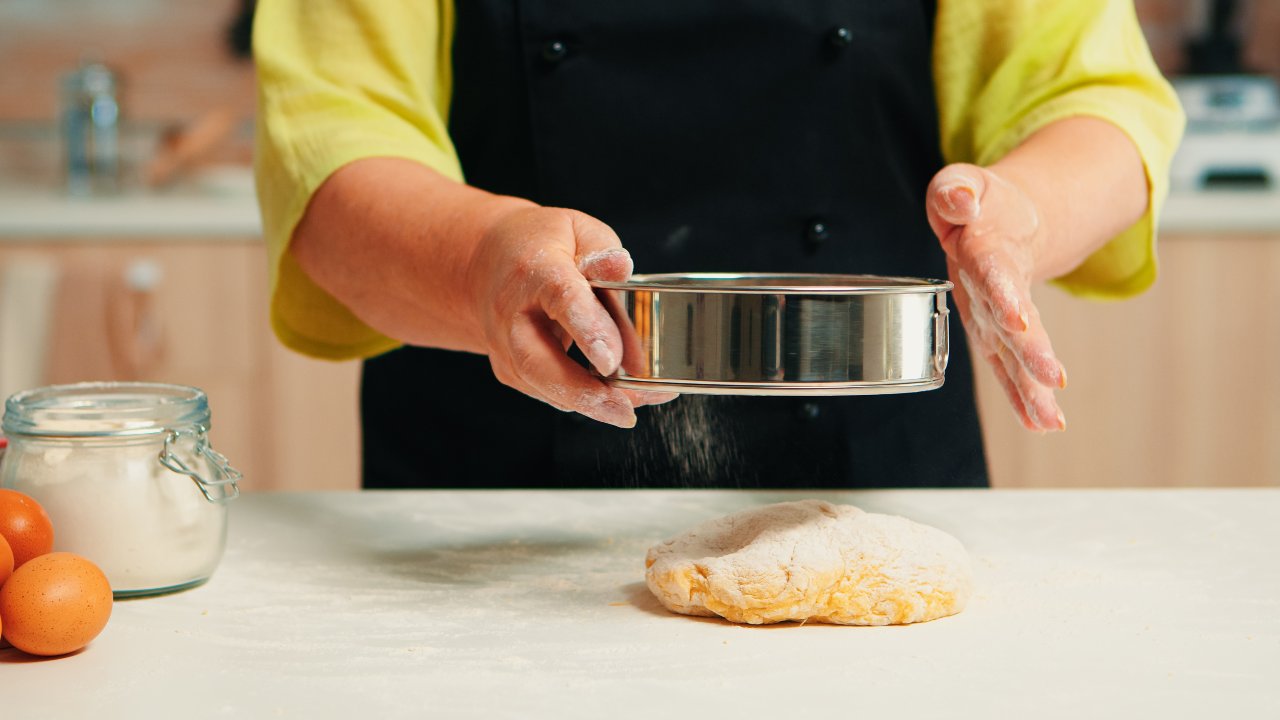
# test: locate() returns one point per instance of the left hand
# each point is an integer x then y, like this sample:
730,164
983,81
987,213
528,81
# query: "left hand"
991,233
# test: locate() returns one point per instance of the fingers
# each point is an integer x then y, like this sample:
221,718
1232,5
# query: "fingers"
1021,355
536,365
561,291
1014,322
1010,391
646,397
567,299
600,254
562,336
1039,409
954,198
1035,353
611,265
991,277
1024,363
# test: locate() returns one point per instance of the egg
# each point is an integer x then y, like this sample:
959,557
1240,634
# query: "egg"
25,525
6,560
54,604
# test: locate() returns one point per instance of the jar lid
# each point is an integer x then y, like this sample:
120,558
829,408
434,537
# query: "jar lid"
104,409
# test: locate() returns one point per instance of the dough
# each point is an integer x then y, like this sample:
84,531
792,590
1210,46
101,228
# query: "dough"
811,561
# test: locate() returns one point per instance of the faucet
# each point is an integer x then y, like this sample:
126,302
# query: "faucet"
91,129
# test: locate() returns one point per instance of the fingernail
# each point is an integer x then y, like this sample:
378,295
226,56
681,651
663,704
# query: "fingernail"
1062,421
1022,318
951,200
607,408
624,419
656,398
1062,376
589,262
602,358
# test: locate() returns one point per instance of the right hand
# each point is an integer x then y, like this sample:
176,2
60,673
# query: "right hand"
529,280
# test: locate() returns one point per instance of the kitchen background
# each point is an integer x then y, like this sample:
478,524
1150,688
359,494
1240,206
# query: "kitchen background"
164,278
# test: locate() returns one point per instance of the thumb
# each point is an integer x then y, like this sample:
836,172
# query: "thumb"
600,255
955,197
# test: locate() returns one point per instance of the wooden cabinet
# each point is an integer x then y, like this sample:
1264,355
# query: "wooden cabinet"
195,313
1179,386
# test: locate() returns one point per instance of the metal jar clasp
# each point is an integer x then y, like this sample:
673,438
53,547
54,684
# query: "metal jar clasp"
223,486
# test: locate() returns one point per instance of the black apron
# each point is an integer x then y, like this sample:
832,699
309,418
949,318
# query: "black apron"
759,136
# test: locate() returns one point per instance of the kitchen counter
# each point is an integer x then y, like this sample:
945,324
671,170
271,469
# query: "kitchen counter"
39,216
231,211
1222,211
1152,603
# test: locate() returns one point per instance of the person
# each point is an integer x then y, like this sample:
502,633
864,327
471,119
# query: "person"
998,143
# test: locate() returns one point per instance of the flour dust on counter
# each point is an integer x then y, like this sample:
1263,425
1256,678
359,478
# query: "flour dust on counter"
812,561
525,604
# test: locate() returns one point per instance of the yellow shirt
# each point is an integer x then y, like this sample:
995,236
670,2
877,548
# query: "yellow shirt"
342,80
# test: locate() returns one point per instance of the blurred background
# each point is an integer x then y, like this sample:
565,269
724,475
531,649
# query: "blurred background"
129,249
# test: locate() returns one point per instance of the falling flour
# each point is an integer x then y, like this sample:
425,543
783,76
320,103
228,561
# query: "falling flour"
693,437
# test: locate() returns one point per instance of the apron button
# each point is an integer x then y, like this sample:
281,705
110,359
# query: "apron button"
816,233
554,51
808,411
840,38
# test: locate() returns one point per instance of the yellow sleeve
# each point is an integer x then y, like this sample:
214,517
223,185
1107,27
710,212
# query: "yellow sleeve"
341,80
1006,68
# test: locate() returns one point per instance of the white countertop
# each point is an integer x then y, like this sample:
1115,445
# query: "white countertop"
1224,211
34,216
531,604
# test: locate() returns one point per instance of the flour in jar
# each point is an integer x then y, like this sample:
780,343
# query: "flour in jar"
145,526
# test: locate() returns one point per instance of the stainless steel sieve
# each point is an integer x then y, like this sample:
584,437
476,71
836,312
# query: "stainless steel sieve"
779,334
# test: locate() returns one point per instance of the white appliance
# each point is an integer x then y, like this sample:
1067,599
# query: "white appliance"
1233,133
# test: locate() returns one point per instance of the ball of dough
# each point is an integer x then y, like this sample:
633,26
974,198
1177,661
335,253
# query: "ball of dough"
812,561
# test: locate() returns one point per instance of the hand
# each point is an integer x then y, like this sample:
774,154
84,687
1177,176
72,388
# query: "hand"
991,233
529,278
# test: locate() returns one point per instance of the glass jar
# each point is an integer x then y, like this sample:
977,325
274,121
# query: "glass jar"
128,477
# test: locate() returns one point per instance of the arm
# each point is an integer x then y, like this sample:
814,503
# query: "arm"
1086,179
442,264
1060,129
374,239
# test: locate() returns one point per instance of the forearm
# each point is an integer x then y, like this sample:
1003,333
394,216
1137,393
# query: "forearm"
393,240
435,263
1087,181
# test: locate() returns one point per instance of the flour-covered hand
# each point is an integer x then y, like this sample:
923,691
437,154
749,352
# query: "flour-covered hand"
991,233
530,280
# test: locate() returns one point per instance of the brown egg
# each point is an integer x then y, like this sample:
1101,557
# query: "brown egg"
25,524
6,560
54,604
